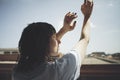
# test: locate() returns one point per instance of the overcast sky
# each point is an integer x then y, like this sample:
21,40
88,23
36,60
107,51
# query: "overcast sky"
15,15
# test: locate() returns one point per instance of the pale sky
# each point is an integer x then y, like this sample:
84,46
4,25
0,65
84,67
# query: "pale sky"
15,15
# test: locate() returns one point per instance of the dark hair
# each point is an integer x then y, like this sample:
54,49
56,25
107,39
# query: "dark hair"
34,44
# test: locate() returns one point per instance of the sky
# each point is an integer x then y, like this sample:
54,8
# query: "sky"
15,15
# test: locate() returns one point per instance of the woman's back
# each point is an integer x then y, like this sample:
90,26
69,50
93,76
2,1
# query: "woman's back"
61,69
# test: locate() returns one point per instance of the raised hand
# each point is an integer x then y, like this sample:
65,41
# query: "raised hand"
87,8
69,17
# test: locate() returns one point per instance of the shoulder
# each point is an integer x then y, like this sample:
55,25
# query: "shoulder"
69,64
69,60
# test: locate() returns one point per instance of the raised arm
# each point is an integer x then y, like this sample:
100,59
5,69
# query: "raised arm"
81,46
67,26
86,9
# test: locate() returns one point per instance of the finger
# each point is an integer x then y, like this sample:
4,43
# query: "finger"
70,14
67,13
73,17
84,1
90,2
74,14
74,24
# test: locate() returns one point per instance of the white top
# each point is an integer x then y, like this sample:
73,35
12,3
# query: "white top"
65,68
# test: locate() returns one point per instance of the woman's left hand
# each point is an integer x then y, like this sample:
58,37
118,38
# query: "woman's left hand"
69,17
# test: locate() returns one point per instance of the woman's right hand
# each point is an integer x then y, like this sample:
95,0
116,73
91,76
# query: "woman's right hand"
87,8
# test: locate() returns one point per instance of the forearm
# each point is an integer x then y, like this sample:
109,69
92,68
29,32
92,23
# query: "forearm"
85,33
69,17
60,33
81,46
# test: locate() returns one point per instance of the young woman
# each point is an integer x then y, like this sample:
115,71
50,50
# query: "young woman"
39,45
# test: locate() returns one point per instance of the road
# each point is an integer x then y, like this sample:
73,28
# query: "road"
91,60
88,60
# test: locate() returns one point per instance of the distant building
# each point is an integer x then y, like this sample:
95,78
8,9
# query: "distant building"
97,54
9,51
116,56
109,56
9,54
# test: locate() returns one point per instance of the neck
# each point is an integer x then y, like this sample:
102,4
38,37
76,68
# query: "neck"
53,54
52,58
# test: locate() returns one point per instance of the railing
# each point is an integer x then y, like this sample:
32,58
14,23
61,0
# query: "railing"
88,72
8,57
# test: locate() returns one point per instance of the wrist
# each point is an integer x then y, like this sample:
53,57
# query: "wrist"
60,33
86,16
64,30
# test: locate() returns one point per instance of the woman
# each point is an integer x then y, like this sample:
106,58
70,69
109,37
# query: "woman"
39,44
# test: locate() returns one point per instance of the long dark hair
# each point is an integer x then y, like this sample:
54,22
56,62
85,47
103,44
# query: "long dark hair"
34,44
